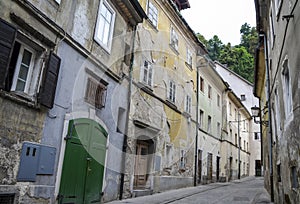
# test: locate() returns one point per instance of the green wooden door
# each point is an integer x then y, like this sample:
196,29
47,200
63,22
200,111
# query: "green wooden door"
83,168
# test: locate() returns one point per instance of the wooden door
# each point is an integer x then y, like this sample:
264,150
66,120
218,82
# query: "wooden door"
141,165
83,167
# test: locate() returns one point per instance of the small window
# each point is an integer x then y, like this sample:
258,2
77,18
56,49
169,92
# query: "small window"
243,97
201,118
189,57
95,93
174,39
182,159
172,91
152,14
294,177
218,129
287,89
235,139
278,173
256,136
209,91
218,100
147,73
201,84
230,110
209,124
188,104
105,25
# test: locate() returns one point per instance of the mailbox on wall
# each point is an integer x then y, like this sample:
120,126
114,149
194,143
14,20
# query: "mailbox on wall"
36,159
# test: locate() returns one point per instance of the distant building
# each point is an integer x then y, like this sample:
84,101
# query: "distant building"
244,90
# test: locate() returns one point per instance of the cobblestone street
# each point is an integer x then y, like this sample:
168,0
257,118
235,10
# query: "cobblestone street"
246,190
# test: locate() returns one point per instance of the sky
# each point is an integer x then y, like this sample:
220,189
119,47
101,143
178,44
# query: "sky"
220,17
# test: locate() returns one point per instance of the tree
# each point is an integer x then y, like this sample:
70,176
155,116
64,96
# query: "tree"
249,38
214,47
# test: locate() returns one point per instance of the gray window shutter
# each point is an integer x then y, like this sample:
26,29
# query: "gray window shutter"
7,40
47,93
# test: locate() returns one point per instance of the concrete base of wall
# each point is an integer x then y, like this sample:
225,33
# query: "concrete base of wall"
164,183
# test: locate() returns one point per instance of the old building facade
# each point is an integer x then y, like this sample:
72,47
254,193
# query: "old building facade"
277,86
57,149
244,90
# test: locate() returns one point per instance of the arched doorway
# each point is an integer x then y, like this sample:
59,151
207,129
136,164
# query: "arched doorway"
83,165
143,162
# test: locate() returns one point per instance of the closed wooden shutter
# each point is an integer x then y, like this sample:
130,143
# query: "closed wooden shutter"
7,40
47,93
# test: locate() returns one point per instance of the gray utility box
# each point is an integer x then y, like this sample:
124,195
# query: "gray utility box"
36,159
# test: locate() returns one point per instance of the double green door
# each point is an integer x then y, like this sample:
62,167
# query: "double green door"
83,167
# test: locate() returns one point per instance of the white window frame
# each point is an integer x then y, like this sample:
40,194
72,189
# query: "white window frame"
172,91
174,40
188,104
147,73
100,18
153,14
189,57
18,65
287,88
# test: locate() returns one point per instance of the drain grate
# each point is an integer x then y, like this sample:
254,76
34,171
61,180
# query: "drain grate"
7,198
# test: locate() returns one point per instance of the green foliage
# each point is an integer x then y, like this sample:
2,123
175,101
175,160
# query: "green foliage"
239,58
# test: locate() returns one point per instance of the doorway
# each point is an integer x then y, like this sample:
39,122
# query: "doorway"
218,169
257,168
199,166
84,160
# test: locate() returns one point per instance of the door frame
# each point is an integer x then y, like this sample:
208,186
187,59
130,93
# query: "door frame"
73,116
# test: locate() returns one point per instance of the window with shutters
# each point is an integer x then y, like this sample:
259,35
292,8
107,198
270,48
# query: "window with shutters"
95,93
27,70
105,25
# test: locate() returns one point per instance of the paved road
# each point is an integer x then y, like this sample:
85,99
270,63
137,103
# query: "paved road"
247,190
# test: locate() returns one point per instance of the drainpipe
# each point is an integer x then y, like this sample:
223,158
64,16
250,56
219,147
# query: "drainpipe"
239,150
269,116
124,148
197,129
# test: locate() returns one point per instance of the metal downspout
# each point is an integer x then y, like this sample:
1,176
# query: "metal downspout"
124,148
197,129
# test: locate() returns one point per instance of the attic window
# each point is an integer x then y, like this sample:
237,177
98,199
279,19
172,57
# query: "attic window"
243,97
182,4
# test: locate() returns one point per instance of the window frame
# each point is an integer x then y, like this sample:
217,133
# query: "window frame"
174,39
287,88
172,91
18,67
209,92
149,74
209,122
154,20
202,84
188,104
189,58
106,47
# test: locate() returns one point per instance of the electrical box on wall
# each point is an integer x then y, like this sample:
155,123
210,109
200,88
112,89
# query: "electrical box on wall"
36,159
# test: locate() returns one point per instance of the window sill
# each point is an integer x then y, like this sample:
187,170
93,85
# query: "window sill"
145,87
152,25
189,66
171,104
21,99
186,114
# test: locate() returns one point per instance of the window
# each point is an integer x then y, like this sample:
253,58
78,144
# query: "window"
174,39
209,124
96,93
201,84
230,134
235,114
121,119
277,111
172,91
189,58
182,159
188,104
230,111
247,147
147,73
209,91
243,97
235,139
218,100
278,173
152,14
21,64
23,68
256,136
287,89
218,129
104,26
244,145
201,118
294,177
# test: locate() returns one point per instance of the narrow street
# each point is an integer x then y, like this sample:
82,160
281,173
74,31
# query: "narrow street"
246,190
